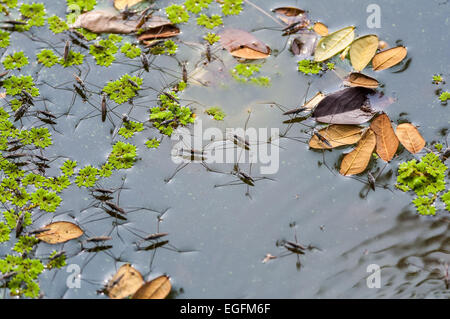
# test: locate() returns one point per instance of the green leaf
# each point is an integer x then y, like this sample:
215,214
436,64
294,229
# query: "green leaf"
334,43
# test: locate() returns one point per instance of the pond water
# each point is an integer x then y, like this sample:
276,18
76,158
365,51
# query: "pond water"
218,236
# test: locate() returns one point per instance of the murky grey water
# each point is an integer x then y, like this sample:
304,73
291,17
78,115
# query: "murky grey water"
222,235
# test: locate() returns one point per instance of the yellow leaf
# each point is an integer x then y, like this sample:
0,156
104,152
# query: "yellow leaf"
334,43
357,160
410,137
337,135
321,29
362,51
121,4
124,283
158,288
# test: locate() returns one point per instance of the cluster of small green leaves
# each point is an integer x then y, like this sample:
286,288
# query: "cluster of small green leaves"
426,178
444,96
209,22
33,14
57,25
437,79
87,176
4,39
129,128
211,38
177,14
309,67
123,155
47,57
169,47
56,262
232,7
130,50
75,7
15,61
104,51
170,114
216,112
73,58
14,85
152,143
9,3
195,6
244,73
124,89
25,273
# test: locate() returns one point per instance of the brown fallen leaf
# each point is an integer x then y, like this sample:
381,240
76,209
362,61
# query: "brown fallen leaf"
357,160
362,80
60,232
387,141
103,21
321,29
124,283
289,11
292,16
244,45
158,288
337,135
388,58
410,137
122,4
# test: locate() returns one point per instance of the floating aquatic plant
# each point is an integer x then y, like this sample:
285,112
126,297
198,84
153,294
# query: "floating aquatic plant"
123,90
68,168
57,260
15,61
244,73
105,50
87,176
4,39
232,7
169,47
35,12
309,67
216,112
57,25
152,143
73,58
444,96
47,57
26,272
82,5
211,38
46,200
123,155
132,51
195,6
14,85
130,128
437,79
177,14
209,22
425,178
170,114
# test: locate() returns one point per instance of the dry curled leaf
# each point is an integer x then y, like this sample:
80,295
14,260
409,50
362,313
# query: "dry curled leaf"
60,232
158,28
336,136
362,80
387,141
388,58
158,288
292,15
124,283
357,160
244,45
362,51
334,43
321,29
122,4
410,137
